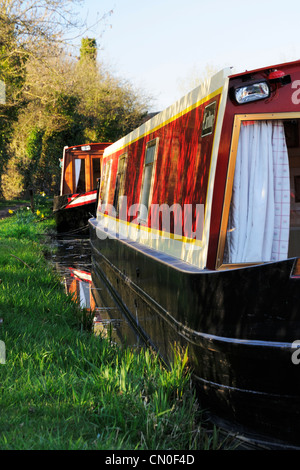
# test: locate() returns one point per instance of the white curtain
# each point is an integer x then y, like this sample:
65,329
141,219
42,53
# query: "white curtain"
258,225
77,171
84,292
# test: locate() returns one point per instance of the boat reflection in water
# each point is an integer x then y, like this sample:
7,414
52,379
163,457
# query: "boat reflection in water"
72,262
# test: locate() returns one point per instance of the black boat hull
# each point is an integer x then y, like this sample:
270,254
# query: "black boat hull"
72,219
239,326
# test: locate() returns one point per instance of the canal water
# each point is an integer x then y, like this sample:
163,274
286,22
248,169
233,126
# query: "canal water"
72,260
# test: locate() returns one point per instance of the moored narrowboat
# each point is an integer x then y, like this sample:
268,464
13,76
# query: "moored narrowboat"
76,202
197,238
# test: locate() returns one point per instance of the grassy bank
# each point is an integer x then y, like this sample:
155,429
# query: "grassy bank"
62,387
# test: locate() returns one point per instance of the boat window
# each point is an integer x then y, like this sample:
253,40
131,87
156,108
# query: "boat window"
79,175
264,214
147,180
67,180
105,183
95,171
120,181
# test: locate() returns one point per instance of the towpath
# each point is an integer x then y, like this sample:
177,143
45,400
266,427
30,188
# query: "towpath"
4,212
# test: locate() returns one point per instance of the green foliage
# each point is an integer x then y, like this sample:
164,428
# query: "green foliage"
63,105
88,49
33,152
52,99
69,104
25,224
34,144
12,74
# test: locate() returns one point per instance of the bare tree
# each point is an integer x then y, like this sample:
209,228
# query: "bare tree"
36,22
35,29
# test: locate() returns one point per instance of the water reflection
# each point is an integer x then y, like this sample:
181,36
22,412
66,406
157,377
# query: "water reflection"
72,260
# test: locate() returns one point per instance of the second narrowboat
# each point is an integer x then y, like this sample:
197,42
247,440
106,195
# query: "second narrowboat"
76,203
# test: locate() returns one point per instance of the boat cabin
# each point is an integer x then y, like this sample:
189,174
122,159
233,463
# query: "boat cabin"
81,166
214,180
81,170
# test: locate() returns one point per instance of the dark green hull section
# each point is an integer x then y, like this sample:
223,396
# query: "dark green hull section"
238,325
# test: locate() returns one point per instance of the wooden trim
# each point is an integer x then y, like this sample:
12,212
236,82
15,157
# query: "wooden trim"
239,118
228,190
296,269
88,170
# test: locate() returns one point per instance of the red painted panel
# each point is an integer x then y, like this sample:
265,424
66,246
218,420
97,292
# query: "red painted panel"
182,167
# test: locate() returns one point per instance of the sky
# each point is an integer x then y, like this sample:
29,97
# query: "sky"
159,45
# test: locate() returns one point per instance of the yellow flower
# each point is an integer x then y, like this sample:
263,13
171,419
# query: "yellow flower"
38,212
42,216
10,211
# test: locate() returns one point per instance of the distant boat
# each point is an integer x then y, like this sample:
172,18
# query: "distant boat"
197,238
81,166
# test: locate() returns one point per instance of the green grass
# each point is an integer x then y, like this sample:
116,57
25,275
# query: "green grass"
64,388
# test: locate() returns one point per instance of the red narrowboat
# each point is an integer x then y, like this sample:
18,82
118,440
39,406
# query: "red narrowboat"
81,165
197,238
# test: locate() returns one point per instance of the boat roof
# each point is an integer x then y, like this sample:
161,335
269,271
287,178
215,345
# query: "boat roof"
202,93
269,67
82,146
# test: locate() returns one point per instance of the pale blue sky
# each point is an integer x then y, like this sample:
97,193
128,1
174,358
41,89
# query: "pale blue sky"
155,44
